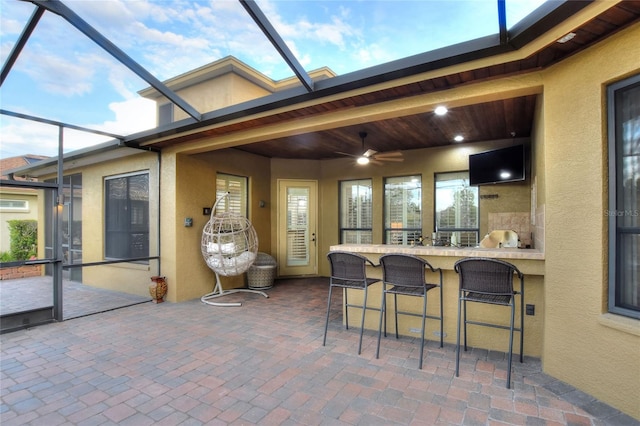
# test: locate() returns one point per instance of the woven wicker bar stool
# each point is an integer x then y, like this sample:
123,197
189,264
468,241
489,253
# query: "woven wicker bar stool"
404,274
349,271
489,281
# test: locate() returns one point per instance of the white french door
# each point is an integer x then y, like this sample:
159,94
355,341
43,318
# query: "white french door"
297,211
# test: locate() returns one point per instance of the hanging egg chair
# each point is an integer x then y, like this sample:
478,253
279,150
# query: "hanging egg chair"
229,247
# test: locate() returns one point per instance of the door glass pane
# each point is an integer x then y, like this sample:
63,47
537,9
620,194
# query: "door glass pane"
297,226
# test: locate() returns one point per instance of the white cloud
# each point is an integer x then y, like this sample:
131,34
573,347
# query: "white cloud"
335,31
131,116
20,137
58,75
372,54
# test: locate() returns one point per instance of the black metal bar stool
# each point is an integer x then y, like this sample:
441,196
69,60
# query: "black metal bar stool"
349,271
489,281
404,274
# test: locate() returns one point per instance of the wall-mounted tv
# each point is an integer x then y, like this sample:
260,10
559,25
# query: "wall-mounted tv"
497,166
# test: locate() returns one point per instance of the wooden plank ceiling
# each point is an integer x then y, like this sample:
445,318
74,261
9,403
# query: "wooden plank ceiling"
499,119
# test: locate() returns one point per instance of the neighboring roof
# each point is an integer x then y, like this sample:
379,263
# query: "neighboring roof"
106,151
11,163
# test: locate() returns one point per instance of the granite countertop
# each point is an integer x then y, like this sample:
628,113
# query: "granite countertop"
497,253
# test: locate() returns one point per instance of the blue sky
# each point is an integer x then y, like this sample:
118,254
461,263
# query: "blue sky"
62,75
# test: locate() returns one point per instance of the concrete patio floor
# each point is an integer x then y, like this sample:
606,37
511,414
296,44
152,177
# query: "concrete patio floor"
263,363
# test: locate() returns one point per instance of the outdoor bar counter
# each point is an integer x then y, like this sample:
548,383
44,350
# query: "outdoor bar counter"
529,261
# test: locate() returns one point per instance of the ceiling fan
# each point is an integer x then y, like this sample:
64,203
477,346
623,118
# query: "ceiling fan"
372,156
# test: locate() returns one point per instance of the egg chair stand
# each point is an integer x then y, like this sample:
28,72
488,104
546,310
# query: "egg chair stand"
218,291
229,247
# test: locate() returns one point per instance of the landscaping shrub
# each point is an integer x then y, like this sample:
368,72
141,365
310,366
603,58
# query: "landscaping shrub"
23,235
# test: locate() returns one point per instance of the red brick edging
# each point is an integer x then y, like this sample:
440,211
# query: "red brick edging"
24,271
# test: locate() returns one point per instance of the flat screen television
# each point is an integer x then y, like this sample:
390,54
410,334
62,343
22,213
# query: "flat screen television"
497,166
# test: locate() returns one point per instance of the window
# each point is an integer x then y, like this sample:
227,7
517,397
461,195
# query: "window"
456,209
624,196
21,205
402,209
356,213
236,186
127,216
165,114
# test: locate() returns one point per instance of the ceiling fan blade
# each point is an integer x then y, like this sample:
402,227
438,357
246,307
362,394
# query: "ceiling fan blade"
395,156
390,154
391,159
369,153
347,154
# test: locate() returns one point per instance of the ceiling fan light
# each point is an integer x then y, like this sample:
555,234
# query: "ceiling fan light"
458,138
363,160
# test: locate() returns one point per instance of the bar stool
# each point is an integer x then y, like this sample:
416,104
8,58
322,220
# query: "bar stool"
404,274
489,281
348,271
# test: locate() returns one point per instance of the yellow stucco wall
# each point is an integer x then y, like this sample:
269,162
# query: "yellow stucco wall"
230,89
584,346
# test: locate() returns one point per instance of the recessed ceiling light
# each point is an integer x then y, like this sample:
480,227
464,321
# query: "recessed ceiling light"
566,38
458,138
441,110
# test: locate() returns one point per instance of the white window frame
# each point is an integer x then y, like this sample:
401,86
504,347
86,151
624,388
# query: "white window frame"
409,195
356,205
464,235
238,188
11,205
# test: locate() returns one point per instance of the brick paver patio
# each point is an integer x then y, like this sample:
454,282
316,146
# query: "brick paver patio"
264,363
